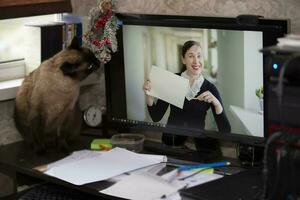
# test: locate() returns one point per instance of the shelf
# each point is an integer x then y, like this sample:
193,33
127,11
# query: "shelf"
17,8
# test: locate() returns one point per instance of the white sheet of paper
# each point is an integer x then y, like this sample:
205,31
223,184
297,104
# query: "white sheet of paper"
83,154
168,86
142,186
197,179
160,158
200,179
102,167
174,196
153,169
74,157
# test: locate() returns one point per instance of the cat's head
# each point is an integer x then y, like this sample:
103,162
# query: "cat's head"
77,61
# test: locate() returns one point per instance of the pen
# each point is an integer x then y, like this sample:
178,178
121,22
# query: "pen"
203,165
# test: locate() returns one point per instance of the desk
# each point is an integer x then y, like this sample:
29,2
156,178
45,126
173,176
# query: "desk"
19,160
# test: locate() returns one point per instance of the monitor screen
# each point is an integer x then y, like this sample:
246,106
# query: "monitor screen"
216,56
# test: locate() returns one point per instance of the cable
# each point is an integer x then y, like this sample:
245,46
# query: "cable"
280,155
272,138
294,155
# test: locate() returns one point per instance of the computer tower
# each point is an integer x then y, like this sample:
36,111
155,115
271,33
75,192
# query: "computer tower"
282,149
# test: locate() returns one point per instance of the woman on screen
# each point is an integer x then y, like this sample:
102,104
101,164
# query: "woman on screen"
201,97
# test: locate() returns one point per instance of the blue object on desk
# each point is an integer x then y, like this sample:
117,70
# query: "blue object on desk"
203,165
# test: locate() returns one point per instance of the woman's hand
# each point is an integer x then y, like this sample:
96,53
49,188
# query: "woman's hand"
147,88
208,97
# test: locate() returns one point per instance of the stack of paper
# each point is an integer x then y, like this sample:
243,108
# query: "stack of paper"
292,40
96,166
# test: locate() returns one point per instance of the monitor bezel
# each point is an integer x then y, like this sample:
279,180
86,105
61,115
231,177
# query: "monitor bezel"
271,28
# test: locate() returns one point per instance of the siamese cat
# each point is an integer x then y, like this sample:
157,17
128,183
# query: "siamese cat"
46,109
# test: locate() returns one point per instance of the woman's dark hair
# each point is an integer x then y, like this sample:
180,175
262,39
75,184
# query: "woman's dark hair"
187,45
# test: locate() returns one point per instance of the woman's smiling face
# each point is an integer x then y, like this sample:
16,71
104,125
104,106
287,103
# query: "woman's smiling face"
193,60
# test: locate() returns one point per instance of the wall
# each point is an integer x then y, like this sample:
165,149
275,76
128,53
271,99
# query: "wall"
229,8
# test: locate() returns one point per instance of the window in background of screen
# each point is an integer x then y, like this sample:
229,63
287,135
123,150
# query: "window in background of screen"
232,63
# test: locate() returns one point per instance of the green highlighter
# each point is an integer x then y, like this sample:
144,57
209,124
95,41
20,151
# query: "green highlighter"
206,170
101,144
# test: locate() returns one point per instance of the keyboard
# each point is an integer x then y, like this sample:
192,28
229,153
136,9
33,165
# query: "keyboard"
54,192
246,185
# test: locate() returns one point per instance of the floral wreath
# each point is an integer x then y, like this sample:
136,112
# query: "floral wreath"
101,37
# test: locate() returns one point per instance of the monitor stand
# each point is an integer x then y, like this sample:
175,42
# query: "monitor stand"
250,155
208,149
179,152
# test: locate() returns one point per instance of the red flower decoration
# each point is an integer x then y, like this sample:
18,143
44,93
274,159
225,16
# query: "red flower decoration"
97,43
106,41
101,21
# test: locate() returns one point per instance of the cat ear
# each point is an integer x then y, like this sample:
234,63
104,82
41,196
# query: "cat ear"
74,43
69,69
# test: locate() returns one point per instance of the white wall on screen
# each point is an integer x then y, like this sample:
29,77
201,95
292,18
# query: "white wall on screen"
159,45
230,79
134,70
253,63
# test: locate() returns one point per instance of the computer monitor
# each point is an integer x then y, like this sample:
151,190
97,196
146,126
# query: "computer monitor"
232,63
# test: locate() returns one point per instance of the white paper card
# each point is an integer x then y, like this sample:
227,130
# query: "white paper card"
102,167
168,86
